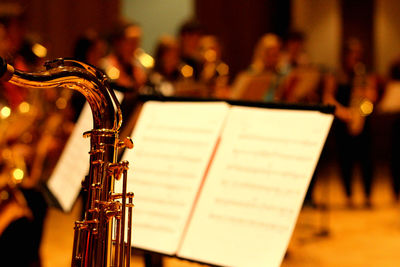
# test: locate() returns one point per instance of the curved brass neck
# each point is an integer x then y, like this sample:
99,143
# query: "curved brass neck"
81,77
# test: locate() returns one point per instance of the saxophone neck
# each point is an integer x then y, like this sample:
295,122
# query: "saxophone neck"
75,75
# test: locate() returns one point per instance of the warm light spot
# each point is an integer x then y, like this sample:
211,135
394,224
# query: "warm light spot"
366,107
5,112
24,107
61,103
223,69
146,60
18,174
210,55
113,73
187,71
39,50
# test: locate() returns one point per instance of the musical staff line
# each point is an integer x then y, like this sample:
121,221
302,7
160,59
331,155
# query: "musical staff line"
196,130
172,187
260,187
179,142
252,205
158,214
265,153
167,202
250,169
164,173
161,228
244,221
274,139
167,156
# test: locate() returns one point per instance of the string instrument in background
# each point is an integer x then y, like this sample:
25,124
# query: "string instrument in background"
99,239
360,105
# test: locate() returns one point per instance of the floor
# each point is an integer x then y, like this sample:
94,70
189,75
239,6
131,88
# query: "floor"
331,235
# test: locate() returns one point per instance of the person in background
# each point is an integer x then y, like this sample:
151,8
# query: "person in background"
353,91
263,78
293,54
123,66
215,72
20,238
190,35
90,49
166,69
191,64
303,79
13,42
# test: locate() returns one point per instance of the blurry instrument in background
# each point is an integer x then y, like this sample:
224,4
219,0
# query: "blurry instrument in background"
360,105
99,239
14,126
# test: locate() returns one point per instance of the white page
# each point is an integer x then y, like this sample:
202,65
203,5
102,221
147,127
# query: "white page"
255,187
65,182
173,145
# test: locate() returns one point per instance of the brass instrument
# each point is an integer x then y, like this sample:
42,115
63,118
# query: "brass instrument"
99,240
360,105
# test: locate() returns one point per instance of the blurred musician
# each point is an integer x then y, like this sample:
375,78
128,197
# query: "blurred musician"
89,48
191,64
303,79
123,65
166,69
22,151
190,35
262,80
215,72
353,91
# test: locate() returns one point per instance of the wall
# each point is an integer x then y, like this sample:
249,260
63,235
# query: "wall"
239,24
157,17
321,23
61,22
387,33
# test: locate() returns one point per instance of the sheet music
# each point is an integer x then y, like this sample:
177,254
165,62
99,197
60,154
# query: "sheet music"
251,198
66,180
173,145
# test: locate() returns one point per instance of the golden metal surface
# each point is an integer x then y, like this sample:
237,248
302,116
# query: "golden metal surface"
99,239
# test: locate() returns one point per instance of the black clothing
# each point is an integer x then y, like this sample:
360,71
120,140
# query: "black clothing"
353,148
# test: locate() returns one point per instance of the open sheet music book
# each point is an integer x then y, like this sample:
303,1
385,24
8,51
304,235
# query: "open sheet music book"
221,184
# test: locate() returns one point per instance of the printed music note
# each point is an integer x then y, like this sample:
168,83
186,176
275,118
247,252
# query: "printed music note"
173,146
253,193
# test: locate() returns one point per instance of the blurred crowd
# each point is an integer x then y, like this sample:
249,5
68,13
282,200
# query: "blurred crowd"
34,125
191,65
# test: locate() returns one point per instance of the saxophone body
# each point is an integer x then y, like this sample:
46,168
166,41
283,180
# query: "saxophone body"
99,239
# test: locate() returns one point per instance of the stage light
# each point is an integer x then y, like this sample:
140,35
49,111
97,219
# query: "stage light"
187,71
5,112
113,73
39,50
18,174
24,107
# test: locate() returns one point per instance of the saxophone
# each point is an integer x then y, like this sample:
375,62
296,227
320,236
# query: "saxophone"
99,239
